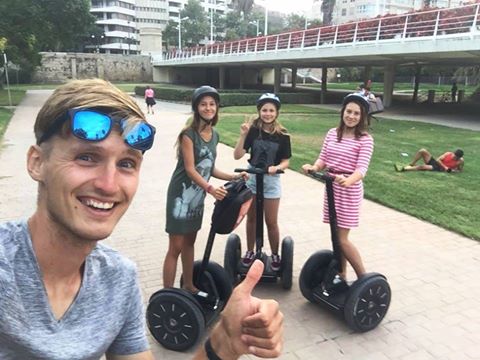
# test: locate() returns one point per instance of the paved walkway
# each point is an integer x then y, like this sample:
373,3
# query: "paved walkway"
433,273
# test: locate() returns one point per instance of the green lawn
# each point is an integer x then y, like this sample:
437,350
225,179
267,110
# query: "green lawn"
449,200
16,95
5,115
403,87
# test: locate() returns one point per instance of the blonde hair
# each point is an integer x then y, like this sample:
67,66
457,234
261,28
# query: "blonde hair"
88,93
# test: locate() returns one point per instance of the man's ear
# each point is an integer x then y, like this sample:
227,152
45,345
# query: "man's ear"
35,162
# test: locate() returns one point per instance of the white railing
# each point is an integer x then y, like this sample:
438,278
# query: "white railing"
430,24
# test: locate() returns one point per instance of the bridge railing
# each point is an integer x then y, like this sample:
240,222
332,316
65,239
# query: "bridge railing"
424,24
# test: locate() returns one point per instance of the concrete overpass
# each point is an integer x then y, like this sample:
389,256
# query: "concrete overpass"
434,37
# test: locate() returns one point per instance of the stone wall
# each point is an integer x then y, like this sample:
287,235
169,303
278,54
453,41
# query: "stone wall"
61,67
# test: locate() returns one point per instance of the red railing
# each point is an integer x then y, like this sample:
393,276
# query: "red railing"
431,23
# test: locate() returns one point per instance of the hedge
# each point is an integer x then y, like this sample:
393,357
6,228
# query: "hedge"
231,97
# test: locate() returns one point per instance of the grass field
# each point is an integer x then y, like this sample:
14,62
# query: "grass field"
5,115
16,95
449,200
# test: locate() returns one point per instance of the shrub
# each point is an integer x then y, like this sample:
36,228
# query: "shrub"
231,97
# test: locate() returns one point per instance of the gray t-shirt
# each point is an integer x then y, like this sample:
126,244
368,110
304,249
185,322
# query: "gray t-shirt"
106,316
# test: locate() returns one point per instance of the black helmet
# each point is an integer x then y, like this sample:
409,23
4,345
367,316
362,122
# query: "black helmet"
202,91
359,99
268,97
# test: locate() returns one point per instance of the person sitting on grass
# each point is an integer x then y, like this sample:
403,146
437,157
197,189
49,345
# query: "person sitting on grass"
449,162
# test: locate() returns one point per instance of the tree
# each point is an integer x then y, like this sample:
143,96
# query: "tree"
294,22
170,34
327,9
67,24
197,27
31,26
19,27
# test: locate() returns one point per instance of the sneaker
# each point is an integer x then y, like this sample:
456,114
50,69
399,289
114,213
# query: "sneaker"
276,263
247,260
399,167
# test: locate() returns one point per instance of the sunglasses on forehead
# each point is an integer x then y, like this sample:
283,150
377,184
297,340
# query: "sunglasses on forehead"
95,125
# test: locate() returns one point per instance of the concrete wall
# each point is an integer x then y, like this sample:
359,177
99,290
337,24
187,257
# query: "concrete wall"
61,67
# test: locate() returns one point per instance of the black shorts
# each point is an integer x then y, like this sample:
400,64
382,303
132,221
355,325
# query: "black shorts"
150,101
435,165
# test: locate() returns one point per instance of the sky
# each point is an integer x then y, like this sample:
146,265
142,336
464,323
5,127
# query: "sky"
288,6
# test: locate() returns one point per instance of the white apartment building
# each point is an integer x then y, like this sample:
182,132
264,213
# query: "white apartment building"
354,10
135,26
117,20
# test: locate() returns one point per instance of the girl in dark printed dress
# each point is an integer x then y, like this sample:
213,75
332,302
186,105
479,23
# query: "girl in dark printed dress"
196,152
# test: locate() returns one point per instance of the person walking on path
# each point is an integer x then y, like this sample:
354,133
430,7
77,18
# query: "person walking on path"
63,293
149,99
346,154
196,152
449,162
268,143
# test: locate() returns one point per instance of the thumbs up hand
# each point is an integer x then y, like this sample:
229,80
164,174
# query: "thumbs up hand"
249,325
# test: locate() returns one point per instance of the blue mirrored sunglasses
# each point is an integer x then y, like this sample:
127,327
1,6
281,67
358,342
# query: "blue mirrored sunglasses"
94,125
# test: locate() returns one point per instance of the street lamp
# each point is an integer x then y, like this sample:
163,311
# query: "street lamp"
6,78
211,21
255,22
180,29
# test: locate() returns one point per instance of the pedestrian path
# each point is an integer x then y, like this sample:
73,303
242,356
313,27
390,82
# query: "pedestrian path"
433,273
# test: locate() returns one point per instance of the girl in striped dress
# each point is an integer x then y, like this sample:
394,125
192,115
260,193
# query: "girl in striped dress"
346,154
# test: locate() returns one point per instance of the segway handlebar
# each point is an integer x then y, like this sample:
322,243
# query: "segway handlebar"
321,175
256,170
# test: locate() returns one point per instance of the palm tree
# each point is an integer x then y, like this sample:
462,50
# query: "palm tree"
327,10
244,6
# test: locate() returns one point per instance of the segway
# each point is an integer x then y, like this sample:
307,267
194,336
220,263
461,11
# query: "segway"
232,261
363,303
176,318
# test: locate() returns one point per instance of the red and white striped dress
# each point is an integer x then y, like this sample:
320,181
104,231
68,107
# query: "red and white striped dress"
346,156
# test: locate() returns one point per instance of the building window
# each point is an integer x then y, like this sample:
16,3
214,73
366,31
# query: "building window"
344,12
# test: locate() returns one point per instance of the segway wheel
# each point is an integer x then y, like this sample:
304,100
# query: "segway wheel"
367,303
313,272
220,278
287,262
175,320
233,251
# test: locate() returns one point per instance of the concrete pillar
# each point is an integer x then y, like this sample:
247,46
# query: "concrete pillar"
277,78
242,75
221,77
367,74
323,93
294,77
73,66
388,81
418,69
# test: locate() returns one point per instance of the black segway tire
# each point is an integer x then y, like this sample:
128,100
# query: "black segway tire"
287,262
313,272
233,251
367,302
175,319
219,276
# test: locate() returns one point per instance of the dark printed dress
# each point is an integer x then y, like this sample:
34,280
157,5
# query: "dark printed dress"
185,199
